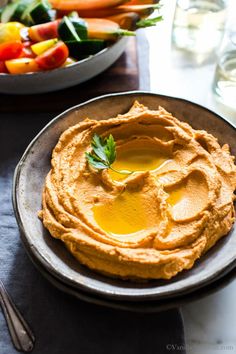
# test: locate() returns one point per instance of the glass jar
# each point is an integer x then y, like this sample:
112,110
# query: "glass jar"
224,84
198,25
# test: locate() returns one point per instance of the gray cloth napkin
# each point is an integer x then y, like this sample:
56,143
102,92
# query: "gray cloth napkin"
61,323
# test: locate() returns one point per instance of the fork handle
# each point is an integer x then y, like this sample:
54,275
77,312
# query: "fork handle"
22,336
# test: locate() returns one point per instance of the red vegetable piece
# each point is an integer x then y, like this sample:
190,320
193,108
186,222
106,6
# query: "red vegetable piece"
27,44
10,50
27,53
44,31
53,57
3,68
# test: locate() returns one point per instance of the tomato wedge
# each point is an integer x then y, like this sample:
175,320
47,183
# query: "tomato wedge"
44,31
53,57
10,50
3,68
27,53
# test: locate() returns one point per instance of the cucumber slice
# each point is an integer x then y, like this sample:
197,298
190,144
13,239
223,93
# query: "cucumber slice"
73,14
79,50
8,12
42,13
25,17
14,11
37,11
22,5
67,31
80,26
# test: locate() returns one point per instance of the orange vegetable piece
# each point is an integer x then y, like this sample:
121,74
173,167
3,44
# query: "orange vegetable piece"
101,28
85,4
126,20
142,2
141,10
21,65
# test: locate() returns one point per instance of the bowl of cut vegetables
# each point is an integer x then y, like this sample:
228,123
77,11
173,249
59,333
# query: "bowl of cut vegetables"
48,45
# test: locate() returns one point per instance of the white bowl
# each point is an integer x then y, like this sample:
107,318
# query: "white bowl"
57,79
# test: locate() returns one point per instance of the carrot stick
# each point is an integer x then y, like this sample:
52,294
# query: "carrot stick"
127,20
132,21
85,4
141,10
141,2
101,28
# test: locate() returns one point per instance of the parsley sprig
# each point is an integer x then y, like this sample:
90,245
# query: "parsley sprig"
149,22
103,154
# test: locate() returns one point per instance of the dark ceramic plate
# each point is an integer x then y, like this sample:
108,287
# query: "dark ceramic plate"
52,255
140,306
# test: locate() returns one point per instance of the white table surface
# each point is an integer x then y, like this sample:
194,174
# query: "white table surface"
210,323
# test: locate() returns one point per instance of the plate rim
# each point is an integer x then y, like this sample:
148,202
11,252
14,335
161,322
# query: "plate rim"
66,77
230,264
137,306
65,68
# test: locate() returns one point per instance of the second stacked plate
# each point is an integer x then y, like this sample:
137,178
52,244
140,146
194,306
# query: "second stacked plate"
61,268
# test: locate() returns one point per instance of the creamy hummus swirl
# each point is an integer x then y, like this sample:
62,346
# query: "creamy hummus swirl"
154,222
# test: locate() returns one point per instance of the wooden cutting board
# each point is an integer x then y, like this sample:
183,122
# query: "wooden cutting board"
121,76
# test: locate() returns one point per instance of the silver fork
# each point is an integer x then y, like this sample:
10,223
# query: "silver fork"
22,336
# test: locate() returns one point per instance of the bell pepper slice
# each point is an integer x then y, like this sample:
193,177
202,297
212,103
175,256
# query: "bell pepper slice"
10,32
10,50
41,47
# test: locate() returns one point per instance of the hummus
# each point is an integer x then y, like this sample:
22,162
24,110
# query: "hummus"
154,222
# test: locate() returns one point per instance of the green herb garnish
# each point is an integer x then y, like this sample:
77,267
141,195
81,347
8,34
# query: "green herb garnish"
103,154
148,22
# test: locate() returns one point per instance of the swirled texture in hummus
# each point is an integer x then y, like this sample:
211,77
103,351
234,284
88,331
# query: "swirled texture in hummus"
152,223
